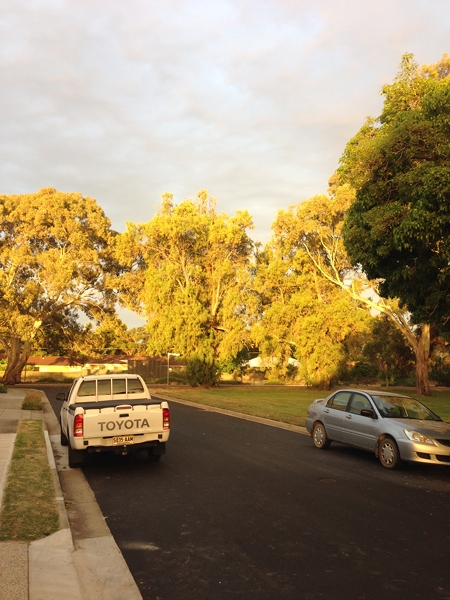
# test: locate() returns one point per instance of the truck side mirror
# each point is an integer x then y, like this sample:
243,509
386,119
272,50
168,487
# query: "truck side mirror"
61,396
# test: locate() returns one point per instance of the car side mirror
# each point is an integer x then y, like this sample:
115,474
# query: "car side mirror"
61,396
367,412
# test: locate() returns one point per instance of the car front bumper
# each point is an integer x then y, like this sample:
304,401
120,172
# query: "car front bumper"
424,453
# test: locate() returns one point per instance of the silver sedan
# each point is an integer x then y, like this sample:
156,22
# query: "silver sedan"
396,428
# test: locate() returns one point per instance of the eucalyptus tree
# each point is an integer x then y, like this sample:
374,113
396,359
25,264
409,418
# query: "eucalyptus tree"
314,227
398,227
188,275
302,315
56,261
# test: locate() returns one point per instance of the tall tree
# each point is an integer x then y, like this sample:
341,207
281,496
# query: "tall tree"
302,315
55,261
315,227
398,228
188,275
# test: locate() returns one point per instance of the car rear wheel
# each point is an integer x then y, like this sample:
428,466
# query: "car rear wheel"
319,436
388,453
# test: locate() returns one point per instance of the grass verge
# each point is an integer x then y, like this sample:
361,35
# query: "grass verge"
32,401
285,404
29,510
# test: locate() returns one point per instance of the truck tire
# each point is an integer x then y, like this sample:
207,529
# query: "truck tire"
153,457
75,457
64,440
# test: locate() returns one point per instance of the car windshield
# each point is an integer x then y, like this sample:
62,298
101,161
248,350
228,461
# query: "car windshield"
401,407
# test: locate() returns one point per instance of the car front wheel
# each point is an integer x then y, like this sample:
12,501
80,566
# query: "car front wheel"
388,453
319,436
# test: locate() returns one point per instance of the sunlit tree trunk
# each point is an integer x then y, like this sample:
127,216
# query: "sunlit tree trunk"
17,353
422,352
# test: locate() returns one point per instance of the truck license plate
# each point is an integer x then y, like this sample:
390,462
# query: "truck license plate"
120,440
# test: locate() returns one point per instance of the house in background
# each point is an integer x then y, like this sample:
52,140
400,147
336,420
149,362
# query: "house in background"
59,367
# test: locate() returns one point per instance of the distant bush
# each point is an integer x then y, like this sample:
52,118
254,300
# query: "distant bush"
202,372
441,373
53,380
173,378
3,388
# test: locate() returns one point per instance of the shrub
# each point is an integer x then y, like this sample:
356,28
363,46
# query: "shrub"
202,372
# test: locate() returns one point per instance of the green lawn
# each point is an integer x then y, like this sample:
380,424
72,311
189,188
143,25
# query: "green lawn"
285,404
29,510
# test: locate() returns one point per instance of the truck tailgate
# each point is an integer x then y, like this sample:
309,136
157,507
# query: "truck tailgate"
106,421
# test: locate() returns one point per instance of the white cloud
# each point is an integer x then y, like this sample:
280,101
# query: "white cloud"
253,100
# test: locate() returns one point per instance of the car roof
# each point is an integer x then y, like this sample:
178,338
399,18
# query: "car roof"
372,392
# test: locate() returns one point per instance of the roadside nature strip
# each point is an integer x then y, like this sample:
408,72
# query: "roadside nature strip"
29,510
288,405
32,401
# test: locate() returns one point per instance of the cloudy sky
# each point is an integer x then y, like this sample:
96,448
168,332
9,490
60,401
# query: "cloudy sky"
253,100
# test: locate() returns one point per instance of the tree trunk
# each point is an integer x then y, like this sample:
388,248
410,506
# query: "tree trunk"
422,355
17,356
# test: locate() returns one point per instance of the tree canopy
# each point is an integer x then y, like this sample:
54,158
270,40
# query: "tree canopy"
315,228
188,275
303,315
56,257
398,227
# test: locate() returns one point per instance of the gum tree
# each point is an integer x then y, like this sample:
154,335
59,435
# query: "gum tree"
188,271
55,263
314,227
398,227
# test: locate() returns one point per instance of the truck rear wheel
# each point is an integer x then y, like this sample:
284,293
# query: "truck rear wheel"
153,457
75,457
64,440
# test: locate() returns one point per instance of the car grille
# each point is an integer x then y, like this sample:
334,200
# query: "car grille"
424,455
444,442
441,458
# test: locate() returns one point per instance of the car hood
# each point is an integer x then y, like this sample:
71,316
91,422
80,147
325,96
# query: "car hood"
434,429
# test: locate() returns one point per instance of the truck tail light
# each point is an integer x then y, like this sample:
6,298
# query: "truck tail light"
78,426
166,418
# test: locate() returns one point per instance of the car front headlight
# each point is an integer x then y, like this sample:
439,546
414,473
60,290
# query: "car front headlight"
420,438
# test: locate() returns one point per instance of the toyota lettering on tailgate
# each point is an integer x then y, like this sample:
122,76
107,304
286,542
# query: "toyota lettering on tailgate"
128,424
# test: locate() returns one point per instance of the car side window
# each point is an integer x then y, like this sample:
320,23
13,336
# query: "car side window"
339,401
359,403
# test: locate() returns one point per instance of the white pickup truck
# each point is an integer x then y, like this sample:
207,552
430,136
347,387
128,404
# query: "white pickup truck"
112,413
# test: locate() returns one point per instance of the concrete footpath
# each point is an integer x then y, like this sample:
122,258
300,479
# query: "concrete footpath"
80,561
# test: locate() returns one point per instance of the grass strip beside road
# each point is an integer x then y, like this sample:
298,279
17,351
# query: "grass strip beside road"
288,405
32,401
285,404
29,510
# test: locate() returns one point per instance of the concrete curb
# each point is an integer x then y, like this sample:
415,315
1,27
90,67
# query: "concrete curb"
86,566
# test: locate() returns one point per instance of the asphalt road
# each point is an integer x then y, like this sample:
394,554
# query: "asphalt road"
236,509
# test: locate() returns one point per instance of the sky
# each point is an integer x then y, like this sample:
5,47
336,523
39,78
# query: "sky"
252,100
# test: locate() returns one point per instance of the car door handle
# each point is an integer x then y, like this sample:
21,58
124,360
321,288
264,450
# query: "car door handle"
327,410
348,416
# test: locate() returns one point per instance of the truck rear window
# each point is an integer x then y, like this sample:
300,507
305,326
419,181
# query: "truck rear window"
135,386
87,388
102,387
